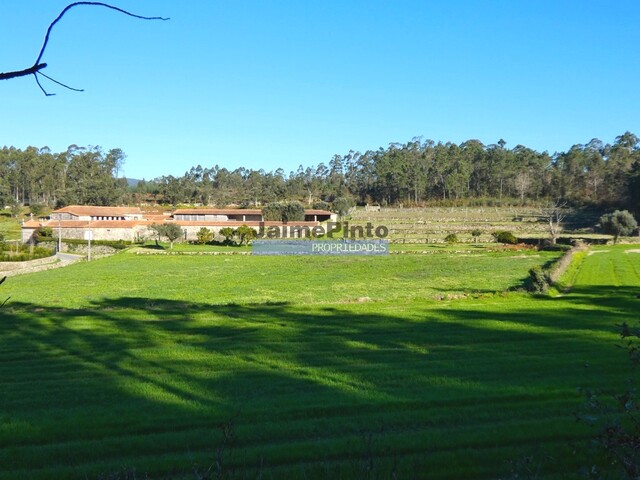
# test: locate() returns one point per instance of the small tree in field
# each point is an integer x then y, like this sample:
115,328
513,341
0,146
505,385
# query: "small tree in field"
245,234
475,234
156,228
204,235
451,238
618,223
554,214
170,230
173,232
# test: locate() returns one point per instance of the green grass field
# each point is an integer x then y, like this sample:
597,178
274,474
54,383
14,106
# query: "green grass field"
9,226
270,367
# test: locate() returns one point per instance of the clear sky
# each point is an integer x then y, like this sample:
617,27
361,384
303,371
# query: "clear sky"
269,84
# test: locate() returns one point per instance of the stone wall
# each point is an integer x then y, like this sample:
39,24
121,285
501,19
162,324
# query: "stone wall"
99,233
82,249
8,266
8,269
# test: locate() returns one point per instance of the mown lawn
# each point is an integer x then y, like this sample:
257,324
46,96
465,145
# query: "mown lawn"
296,280
149,363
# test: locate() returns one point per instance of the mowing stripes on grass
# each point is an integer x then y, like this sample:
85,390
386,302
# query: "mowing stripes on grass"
144,378
144,280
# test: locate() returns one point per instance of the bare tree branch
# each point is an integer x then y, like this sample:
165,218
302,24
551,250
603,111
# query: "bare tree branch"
41,87
23,73
38,66
554,214
59,83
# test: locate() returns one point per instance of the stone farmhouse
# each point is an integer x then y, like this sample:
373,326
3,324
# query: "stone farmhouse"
132,224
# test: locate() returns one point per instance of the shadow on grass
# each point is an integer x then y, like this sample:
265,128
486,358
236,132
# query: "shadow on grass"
316,391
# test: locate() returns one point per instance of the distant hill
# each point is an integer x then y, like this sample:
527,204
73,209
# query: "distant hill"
132,182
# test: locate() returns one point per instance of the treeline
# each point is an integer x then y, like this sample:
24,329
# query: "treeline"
85,176
413,173
418,172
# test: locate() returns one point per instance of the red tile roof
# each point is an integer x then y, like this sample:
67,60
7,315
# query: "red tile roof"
99,211
95,223
236,211
31,224
218,211
237,223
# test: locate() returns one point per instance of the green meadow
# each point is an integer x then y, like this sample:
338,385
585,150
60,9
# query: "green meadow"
9,227
406,366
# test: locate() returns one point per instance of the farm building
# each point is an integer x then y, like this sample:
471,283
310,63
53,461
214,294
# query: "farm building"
131,223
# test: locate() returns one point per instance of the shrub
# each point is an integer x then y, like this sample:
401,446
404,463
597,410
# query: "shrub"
228,233
342,205
115,244
321,205
505,237
204,235
538,280
46,232
246,234
475,233
283,212
451,238
548,246
270,213
25,253
37,209
292,212
618,223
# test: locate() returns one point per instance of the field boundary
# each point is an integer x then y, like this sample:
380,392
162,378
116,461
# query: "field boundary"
567,266
168,252
13,268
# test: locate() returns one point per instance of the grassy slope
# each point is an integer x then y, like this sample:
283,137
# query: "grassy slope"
450,389
9,226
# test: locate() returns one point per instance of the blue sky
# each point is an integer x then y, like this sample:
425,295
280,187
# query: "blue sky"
269,84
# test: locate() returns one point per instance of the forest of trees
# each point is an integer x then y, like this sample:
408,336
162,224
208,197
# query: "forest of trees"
78,176
414,173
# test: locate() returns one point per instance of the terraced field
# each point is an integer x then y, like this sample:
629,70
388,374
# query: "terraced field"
429,225
254,367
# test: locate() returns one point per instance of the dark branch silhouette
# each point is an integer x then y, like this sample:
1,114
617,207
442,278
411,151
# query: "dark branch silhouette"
35,70
1,282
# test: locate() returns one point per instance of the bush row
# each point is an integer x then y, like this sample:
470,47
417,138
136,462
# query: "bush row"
116,244
24,254
540,279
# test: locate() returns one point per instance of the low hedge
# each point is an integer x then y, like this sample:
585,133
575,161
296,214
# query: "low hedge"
25,254
116,244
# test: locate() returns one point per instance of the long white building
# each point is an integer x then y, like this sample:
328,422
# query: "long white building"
132,224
